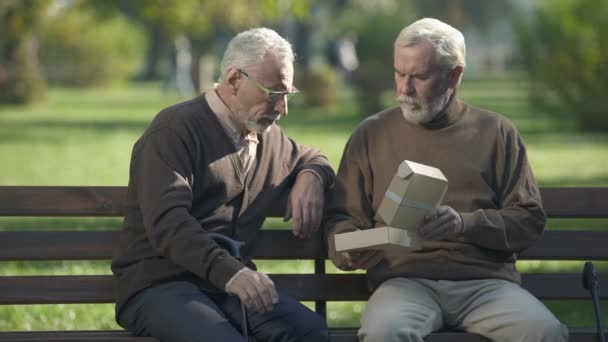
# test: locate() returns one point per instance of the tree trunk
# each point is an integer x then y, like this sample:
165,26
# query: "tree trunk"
157,49
21,79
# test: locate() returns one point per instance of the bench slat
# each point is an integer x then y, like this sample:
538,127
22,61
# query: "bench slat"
272,245
57,245
62,200
575,335
337,335
569,245
96,245
77,335
108,201
307,287
575,202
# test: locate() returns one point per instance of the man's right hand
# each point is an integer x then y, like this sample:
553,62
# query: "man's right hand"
256,290
364,259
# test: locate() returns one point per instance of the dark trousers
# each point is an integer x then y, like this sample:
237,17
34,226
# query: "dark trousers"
182,311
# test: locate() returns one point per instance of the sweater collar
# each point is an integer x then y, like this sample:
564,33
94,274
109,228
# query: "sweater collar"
452,112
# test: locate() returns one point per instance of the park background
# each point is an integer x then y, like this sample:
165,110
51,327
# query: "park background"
81,79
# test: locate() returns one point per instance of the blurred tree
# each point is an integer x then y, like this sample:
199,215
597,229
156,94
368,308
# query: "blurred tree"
376,25
203,21
461,13
80,49
21,79
565,52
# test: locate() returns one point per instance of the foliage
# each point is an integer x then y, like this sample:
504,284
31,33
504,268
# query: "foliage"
206,23
200,17
78,49
319,85
20,75
376,34
22,82
18,19
564,51
461,13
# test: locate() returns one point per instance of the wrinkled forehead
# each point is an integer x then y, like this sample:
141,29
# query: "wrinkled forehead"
421,56
274,71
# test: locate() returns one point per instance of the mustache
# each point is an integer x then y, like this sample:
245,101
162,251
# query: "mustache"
406,99
272,114
271,117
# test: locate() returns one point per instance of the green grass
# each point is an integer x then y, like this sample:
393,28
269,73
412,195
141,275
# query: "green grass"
84,137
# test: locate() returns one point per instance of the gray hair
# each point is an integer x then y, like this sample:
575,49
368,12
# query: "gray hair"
448,41
249,47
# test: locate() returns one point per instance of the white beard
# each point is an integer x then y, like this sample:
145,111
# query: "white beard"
258,127
421,113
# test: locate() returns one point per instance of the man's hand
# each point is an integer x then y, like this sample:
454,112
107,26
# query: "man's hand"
305,205
364,259
441,223
256,290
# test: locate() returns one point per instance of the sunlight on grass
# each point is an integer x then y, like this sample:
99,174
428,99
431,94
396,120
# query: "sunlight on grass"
57,317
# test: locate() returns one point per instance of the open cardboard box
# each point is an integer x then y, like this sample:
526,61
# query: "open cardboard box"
414,190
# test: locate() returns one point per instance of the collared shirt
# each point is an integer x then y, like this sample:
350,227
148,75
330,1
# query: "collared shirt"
185,159
246,143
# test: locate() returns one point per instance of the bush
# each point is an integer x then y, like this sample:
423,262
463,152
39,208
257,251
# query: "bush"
376,34
81,50
319,85
564,51
21,79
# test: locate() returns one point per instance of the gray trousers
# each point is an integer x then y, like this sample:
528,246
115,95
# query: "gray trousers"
182,311
409,309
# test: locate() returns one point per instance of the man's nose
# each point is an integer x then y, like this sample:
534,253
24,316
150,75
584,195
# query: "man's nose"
406,86
281,106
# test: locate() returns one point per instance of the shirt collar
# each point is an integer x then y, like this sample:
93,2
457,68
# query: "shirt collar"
224,114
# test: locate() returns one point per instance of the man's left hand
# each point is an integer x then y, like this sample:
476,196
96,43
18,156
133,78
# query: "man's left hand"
441,223
305,205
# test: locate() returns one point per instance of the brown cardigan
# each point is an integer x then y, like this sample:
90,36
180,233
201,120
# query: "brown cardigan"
185,180
490,184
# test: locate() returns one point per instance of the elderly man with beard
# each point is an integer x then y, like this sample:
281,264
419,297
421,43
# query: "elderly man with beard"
218,163
464,277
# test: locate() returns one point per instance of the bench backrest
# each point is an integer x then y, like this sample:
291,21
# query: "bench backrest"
80,201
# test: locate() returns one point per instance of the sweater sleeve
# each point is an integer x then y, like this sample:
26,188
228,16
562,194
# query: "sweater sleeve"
161,172
296,159
349,204
520,219
304,158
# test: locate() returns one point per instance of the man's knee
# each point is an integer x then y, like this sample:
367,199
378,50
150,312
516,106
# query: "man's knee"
389,330
313,329
548,330
290,321
400,335
309,327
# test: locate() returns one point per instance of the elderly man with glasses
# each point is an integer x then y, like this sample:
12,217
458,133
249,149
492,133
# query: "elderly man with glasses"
218,164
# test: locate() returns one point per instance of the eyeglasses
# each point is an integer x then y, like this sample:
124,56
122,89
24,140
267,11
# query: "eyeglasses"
273,95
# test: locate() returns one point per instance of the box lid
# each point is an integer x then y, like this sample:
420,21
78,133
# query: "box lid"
407,168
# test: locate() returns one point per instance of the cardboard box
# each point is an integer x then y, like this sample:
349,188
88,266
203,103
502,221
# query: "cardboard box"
414,190
384,238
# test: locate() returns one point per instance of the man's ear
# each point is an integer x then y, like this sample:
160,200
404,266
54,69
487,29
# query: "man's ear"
454,76
233,78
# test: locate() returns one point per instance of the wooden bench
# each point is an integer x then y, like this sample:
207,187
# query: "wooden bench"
319,287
